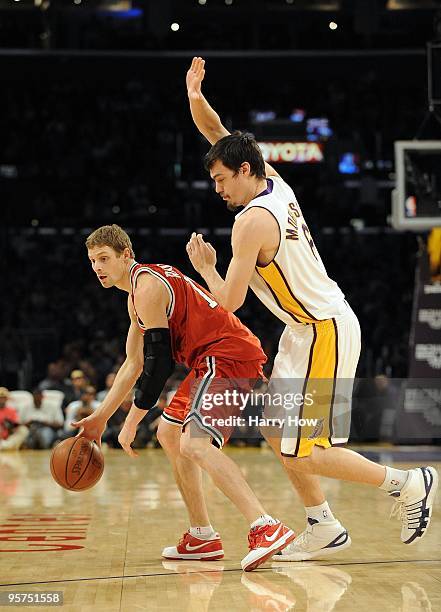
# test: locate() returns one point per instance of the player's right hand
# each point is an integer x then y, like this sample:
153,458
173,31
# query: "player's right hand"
91,427
201,254
195,76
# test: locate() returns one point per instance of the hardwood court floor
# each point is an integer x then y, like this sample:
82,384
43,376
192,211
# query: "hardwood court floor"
121,526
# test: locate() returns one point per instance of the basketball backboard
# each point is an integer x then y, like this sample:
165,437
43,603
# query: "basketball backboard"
416,201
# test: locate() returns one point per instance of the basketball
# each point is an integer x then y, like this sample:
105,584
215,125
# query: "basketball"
77,464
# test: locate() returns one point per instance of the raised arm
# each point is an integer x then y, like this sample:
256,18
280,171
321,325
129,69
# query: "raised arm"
204,116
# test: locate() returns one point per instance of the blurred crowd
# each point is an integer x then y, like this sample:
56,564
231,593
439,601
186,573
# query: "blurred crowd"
91,141
57,311
41,419
68,334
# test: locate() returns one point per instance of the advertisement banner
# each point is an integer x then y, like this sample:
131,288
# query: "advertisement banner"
420,408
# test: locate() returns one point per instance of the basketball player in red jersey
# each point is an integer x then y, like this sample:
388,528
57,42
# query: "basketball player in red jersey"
173,319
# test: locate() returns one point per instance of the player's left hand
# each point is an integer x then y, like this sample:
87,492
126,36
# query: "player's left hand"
194,78
202,254
126,437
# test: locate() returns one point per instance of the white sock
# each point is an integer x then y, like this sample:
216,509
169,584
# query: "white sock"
264,519
394,480
319,514
203,533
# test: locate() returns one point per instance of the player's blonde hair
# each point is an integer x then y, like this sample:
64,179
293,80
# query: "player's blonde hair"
112,236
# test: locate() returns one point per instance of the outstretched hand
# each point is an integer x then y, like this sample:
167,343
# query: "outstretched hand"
195,76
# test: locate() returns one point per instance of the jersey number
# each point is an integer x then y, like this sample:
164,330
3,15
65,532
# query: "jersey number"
309,240
212,303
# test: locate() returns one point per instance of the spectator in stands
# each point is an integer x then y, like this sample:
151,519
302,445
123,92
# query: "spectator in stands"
88,370
80,409
55,379
109,382
12,434
78,383
43,419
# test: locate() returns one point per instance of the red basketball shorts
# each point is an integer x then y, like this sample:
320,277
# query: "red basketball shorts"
213,395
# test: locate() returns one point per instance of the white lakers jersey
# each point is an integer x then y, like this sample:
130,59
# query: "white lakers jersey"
295,285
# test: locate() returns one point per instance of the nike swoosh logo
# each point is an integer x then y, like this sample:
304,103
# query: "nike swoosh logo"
274,536
191,548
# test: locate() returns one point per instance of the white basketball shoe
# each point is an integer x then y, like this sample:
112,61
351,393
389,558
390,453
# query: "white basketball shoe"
414,503
317,541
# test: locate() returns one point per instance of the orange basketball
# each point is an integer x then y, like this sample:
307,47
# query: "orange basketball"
77,464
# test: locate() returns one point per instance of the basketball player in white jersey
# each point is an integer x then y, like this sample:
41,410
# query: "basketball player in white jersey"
274,254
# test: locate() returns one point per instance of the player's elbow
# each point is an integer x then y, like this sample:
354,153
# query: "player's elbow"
234,303
135,366
215,132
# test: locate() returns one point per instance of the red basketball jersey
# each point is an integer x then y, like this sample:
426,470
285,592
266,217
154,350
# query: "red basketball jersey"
198,325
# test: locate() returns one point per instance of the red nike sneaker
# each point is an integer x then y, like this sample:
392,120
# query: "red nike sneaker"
196,549
264,541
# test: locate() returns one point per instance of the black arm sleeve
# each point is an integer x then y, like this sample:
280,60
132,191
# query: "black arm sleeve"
158,366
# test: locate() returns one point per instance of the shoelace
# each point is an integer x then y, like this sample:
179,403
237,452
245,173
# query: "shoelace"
301,541
410,515
182,540
254,536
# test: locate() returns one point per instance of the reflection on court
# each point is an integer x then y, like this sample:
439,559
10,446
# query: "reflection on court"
102,547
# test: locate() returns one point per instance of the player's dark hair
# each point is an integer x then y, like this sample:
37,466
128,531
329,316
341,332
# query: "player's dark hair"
235,149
